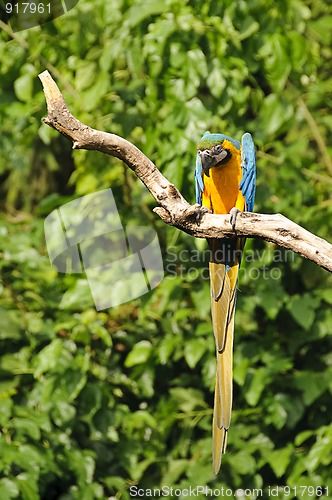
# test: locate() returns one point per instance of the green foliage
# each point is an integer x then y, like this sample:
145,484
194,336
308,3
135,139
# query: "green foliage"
93,403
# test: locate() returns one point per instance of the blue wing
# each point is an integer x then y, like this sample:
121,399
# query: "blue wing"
248,163
199,184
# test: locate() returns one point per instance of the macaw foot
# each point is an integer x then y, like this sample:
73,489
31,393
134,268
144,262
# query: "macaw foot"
200,212
233,216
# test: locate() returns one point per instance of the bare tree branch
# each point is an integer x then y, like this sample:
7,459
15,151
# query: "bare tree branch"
173,208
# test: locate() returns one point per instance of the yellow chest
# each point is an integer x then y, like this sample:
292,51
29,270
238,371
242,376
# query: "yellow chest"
221,190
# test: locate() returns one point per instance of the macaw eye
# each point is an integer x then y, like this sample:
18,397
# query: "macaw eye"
218,149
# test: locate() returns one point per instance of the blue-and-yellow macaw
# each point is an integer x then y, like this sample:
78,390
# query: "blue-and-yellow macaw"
225,178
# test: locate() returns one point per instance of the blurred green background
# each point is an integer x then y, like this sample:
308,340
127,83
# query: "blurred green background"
92,404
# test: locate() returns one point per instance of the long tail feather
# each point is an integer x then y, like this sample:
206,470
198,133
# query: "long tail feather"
219,436
223,298
220,299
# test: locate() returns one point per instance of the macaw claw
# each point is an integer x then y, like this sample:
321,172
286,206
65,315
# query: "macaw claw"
233,216
199,214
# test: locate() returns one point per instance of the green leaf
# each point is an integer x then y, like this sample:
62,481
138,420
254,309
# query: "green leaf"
8,489
200,297
47,358
23,426
29,458
188,399
256,382
280,459
24,86
275,115
326,295
86,73
311,384
139,354
167,347
137,13
302,437
322,26
103,334
28,486
78,297
175,470
140,468
63,412
17,363
216,82
193,351
271,296
302,308
286,410
321,451
10,324
277,62
249,28
243,463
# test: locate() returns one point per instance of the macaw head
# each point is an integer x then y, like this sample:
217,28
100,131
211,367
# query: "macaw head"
215,150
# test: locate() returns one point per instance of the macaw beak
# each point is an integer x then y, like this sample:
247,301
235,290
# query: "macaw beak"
208,161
